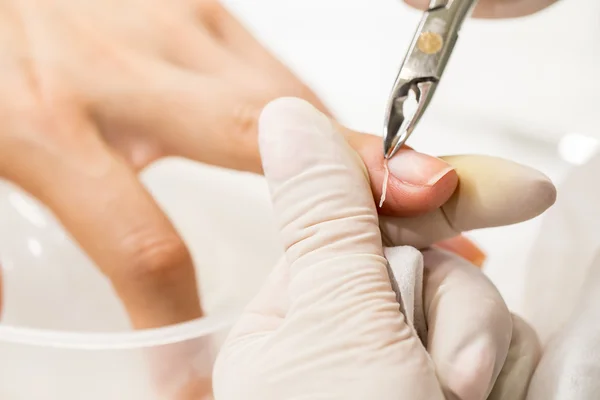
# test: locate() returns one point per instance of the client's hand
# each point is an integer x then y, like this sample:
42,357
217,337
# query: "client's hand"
327,325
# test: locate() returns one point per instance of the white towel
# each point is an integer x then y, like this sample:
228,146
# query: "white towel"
405,266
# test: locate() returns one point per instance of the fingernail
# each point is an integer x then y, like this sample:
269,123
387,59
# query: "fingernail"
418,169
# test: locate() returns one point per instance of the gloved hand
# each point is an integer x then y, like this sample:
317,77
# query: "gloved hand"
328,324
498,8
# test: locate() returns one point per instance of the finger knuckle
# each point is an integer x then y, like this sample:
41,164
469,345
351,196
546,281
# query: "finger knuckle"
211,13
245,119
153,253
210,7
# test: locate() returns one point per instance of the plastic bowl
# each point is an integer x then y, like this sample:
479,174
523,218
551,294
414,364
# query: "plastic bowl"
64,334
166,363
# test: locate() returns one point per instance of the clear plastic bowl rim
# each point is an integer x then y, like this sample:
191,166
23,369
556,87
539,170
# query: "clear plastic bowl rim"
145,338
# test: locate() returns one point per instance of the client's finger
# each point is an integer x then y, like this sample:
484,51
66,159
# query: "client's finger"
492,192
523,357
173,106
203,117
100,201
417,183
469,326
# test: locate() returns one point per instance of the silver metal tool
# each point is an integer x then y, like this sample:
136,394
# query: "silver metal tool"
422,69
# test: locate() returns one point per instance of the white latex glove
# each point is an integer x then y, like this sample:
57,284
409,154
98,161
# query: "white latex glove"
327,324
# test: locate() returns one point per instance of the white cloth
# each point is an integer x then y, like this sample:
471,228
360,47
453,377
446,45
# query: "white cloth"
561,260
563,291
406,273
570,365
